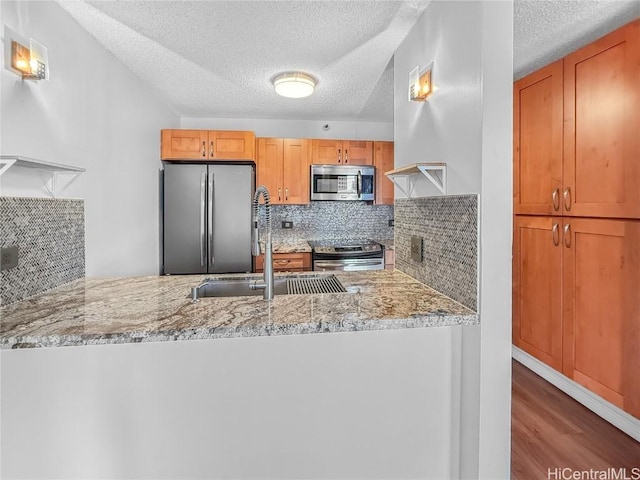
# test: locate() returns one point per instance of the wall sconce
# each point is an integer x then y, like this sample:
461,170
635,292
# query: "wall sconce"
31,62
420,85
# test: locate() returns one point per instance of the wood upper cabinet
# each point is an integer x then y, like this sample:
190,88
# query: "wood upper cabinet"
576,305
283,167
207,145
537,141
231,145
537,288
602,127
184,145
577,132
347,152
383,162
601,328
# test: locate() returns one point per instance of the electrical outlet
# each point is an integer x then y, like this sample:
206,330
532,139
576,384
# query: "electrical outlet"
287,224
391,222
416,248
8,258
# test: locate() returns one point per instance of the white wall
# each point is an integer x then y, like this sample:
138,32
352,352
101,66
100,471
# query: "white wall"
93,113
349,130
467,123
338,405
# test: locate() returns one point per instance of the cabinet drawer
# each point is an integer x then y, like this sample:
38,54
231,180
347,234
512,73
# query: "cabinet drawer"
285,262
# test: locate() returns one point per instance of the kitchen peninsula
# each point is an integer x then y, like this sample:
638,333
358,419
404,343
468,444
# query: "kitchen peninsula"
147,309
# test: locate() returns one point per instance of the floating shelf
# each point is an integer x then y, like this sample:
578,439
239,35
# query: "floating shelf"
405,177
50,172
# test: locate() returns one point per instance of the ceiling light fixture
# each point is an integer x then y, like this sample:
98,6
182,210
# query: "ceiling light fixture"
294,84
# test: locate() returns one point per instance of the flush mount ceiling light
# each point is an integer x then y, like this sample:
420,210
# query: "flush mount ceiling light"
294,84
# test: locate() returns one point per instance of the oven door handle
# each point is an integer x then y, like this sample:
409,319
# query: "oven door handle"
359,262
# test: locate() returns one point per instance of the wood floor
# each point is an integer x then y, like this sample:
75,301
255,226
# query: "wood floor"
549,429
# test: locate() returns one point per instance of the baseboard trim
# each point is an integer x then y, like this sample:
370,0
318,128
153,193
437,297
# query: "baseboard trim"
612,414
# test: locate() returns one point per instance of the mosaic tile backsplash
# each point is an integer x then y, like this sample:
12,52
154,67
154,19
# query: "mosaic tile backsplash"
448,226
331,220
50,236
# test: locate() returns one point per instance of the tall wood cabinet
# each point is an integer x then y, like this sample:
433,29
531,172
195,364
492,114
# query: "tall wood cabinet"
383,161
576,267
283,167
207,145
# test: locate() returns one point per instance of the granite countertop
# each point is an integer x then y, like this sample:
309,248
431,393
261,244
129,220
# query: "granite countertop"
147,309
299,246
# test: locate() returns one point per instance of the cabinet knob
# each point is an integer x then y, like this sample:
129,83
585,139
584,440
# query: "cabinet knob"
567,198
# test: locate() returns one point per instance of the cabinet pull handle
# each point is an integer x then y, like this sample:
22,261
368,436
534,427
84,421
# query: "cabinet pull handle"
286,194
346,155
282,262
339,156
556,236
567,235
280,194
556,199
204,149
212,152
567,197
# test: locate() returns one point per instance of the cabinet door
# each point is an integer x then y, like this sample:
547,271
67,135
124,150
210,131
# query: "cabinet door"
537,141
295,171
269,167
184,145
231,145
383,161
326,152
602,127
537,288
601,284
357,152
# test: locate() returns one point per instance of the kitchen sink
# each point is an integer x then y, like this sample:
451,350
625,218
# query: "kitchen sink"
282,285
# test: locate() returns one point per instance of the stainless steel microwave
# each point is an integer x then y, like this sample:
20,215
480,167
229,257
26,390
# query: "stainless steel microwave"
342,182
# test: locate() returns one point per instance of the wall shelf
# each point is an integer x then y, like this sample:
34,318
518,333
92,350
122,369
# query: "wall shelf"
50,172
405,177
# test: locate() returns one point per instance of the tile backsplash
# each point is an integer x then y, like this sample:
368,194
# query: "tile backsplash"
49,234
331,220
448,226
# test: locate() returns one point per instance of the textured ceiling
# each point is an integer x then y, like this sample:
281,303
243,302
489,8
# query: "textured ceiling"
545,31
217,58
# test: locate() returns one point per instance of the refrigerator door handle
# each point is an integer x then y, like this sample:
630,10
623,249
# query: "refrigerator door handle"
203,250
210,218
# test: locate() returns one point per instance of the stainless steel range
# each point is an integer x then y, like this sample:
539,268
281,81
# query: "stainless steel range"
347,255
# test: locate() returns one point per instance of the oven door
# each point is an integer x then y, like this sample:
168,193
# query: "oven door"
349,264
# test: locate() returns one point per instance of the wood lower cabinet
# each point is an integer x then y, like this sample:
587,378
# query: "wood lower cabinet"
283,167
537,288
207,145
577,303
341,152
383,162
286,262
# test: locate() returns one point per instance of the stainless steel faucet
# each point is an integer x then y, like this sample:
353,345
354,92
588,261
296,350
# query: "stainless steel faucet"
267,282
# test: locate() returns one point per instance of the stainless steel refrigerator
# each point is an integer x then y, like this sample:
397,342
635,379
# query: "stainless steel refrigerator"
207,218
